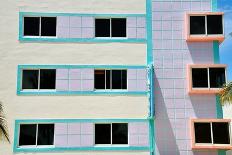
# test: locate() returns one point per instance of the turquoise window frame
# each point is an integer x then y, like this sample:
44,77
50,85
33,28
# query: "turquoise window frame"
17,149
21,38
54,92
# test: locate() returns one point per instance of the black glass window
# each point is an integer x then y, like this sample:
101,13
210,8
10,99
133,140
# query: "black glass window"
99,79
202,132
27,135
197,25
110,79
30,79
102,133
48,26
45,134
217,77
47,78
118,26
119,79
119,133
199,77
31,26
221,133
214,24
102,27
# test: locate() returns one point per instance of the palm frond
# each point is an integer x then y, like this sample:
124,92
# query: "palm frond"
3,124
226,94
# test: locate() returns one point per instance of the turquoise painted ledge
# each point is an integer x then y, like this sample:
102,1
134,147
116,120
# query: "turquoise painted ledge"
81,93
67,40
17,149
59,149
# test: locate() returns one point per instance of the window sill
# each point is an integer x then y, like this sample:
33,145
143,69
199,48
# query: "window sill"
204,38
212,147
119,92
54,39
204,91
90,148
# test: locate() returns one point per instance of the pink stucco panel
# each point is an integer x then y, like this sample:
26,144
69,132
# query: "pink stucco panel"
61,128
87,73
87,22
62,74
74,128
87,85
131,22
75,32
74,140
87,140
75,21
75,74
61,140
132,85
62,85
87,128
63,21
75,85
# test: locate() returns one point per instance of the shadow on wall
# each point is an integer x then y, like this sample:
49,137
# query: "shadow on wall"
200,52
164,125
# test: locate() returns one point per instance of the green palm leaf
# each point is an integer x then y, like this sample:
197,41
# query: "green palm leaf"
3,124
226,94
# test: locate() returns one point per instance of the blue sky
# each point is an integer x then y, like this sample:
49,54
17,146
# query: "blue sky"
226,46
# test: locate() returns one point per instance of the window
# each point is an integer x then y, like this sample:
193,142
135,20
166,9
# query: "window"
39,79
40,26
211,133
206,25
113,27
110,79
36,134
115,133
206,79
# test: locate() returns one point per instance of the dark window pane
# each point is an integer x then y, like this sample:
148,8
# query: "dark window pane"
31,26
102,134
197,24
221,133
202,132
45,134
102,27
214,24
116,79
118,26
119,133
200,77
108,79
30,79
27,134
217,77
124,79
47,78
99,79
48,26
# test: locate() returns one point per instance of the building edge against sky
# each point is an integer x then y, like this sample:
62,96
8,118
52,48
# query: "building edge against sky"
149,109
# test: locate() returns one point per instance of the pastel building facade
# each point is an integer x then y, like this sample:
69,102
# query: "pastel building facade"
113,77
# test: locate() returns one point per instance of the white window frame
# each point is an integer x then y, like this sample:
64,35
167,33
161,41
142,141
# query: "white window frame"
38,89
39,36
206,30
211,131
110,28
111,138
36,145
111,80
209,87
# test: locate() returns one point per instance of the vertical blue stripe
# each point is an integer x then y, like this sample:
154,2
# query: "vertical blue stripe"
150,76
216,52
